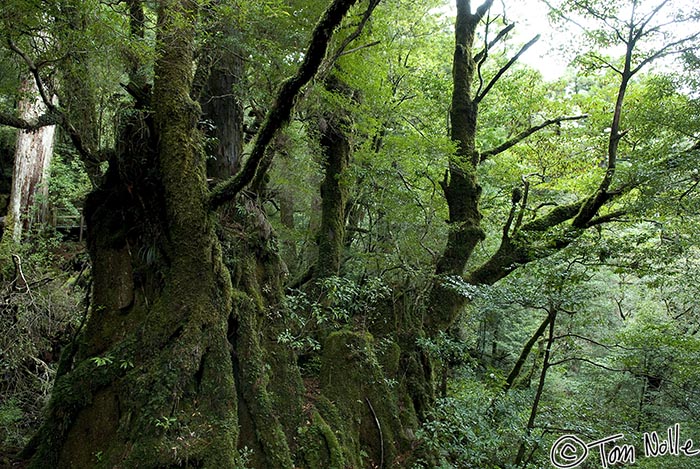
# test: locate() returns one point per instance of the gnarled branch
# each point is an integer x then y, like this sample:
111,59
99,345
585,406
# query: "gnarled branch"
281,110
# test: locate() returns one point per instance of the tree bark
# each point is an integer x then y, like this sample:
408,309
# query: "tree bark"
150,382
175,364
460,186
34,148
222,111
335,148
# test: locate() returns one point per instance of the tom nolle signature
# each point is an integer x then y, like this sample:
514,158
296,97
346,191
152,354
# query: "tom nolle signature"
570,451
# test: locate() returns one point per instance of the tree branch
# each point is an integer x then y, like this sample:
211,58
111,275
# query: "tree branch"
478,57
595,342
281,110
525,353
60,117
50,118
355,34
34,70
591,362
358,48
505,68
667,50
610,217
645,22
554,217
482,10
526,133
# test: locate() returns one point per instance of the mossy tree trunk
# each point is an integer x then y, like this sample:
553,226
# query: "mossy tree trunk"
462,194
178,362
460,186
150,381
334,130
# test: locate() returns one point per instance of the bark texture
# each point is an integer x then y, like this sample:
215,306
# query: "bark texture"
28,202
222,112
460,186
335,147
150,381
178,363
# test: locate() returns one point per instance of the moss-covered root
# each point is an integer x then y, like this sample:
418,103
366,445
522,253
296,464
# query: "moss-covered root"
353,380
261,429
319,446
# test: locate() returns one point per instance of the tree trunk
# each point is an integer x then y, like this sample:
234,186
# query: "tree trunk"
178,363
150,382
29,194
335,147
461,189
462,194
223,114
552,316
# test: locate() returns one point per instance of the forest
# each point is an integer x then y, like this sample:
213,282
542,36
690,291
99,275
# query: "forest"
349,234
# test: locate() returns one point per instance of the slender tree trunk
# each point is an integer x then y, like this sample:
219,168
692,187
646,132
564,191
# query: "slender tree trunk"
540,388
525,353
462,194
335,147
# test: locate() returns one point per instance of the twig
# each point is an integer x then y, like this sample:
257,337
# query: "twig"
379,429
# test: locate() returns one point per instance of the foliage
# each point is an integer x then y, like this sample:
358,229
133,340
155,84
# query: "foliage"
592,330
69,185
37,322
341,303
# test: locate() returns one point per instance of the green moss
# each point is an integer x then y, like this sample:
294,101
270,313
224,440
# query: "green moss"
389,356
352,379
266,433
319,446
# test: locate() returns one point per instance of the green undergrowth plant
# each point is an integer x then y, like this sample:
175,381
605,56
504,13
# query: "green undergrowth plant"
337,303
41,308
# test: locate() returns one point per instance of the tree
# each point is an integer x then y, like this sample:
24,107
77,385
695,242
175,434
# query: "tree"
156,318
196,350
28,202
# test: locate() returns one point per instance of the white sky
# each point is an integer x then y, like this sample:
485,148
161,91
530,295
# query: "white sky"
531,18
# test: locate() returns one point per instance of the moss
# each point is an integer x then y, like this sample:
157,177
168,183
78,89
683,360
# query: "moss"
352,379
253,380
7,247
319,446
389,356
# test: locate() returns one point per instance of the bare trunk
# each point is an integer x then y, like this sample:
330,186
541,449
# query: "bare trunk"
223,112
29,194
